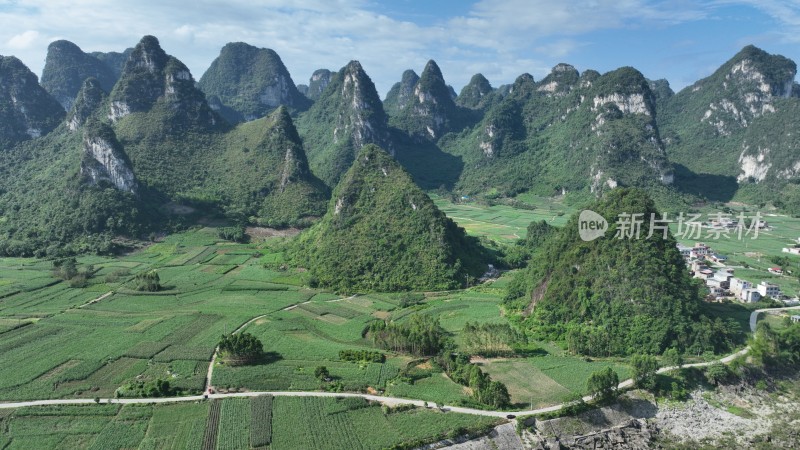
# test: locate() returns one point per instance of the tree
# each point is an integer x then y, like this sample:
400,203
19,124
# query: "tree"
148,281
717,373
322,373
673,358
602,384
644,371
241,348
496,395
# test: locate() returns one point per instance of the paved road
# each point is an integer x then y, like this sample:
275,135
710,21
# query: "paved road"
391,401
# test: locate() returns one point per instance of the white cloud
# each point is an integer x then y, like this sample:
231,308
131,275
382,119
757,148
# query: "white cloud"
24,40
500,38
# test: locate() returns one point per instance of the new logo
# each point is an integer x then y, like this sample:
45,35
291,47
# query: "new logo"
591,225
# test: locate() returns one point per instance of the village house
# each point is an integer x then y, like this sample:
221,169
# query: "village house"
716,257
685,250
792,250
737,285
769,290
750,295
795,319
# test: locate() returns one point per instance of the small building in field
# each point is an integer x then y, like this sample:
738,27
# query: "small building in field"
795,319
792,250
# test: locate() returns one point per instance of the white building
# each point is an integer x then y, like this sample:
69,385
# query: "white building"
792,250
750,295
768,290
737,285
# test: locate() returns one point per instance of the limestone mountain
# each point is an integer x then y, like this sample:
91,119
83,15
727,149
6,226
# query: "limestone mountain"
251,81
104,160
429,112
26,109
399,96
114,60
730,130
623,293
67,67
383,233
477,94
347,116
88,101
153,80
318,83
569,132
160,159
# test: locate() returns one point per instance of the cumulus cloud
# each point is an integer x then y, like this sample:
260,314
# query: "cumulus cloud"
25,40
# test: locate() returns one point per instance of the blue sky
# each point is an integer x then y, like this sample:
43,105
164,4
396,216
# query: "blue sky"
679,40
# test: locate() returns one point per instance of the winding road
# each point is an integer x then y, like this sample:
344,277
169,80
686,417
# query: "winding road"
390,401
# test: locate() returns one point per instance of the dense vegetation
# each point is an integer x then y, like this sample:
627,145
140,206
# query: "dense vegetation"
383,233
484,390
240,348
616,296
419,335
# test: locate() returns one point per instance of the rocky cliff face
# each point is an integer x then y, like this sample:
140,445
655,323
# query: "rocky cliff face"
67,67
561,80
27,111
732,128
347,116
364,121
104,160
568,132
430,112
152,78
318,82
251,81
750,84
89,99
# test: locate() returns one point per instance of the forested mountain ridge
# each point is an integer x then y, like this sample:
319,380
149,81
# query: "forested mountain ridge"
157,138
734,131
150,154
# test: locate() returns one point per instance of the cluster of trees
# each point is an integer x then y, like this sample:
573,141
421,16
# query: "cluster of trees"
419,335
153,388
484,389
362,355
491,339
67,270
233,234
148,281
240,348
776,348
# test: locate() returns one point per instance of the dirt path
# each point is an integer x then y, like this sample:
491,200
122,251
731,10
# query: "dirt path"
106,295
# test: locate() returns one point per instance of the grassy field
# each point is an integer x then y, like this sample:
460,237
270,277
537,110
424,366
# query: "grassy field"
503,223
61,342
292,423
